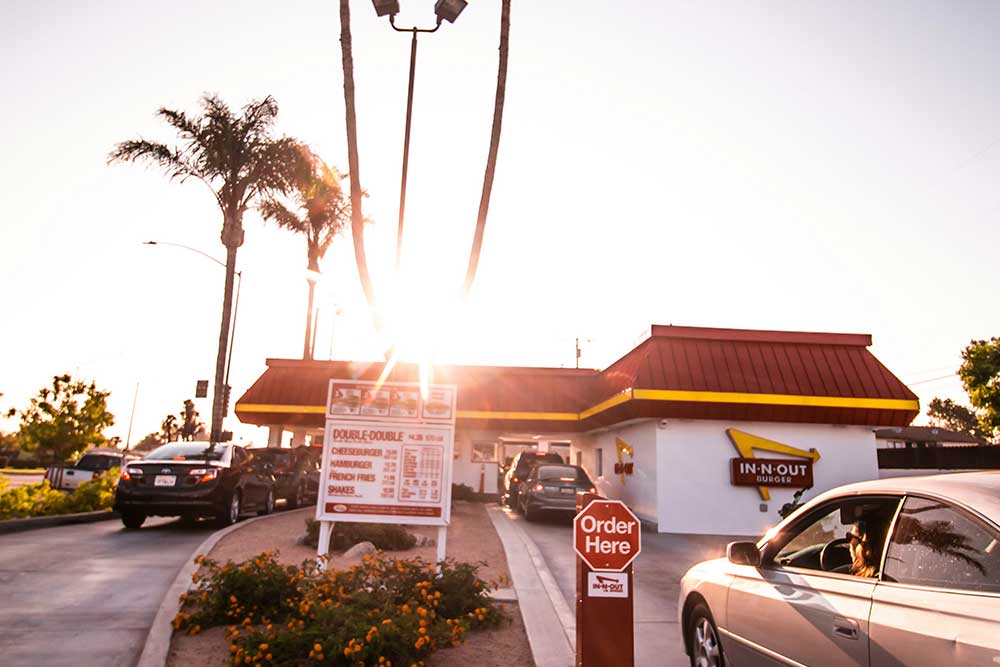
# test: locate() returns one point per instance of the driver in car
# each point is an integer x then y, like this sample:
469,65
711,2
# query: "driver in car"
862,555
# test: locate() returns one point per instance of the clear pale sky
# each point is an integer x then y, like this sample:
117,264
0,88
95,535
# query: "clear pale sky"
823,166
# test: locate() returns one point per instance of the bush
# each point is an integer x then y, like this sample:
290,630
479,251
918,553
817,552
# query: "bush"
40,499
381,612
385,536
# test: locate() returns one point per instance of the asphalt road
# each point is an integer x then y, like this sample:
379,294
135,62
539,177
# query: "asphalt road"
657,573
21,480
86,594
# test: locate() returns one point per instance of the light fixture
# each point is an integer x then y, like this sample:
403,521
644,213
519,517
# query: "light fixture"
386,7
448,10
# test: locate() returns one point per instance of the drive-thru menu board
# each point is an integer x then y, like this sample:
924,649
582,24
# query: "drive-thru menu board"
387,453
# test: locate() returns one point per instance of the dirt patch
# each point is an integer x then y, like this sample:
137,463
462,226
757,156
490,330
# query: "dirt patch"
471,538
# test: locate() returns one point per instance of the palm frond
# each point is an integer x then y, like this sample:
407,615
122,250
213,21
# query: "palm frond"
274,211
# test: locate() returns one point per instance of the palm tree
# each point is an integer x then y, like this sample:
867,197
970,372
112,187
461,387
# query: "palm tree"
190,424
357,217
240,162
491,159
169,428
320,213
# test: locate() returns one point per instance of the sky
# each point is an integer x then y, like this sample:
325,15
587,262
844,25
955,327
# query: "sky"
817,166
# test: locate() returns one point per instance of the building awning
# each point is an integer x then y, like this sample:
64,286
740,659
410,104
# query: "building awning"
677,372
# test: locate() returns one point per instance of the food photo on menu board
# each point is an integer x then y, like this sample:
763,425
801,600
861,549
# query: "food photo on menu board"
375,403
403,403
346,401
438,404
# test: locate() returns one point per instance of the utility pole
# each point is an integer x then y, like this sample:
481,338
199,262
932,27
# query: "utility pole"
128,438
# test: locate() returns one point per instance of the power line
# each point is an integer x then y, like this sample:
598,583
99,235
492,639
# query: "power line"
943,377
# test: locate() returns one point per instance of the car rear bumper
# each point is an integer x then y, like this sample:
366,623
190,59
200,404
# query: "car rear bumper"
552,503
208,502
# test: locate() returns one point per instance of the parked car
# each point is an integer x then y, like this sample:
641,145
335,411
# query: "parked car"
552,488
194,479
519,467
902,571
92,464
296,472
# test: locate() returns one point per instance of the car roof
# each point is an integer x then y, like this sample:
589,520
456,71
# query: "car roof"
977,490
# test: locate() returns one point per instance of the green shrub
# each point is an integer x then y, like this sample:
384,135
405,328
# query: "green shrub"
29,500
382,611
385,536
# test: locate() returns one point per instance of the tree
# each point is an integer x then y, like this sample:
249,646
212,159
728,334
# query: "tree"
237,158
169,428
491,158
320,212
980,373
149,443
357,216
190,424
64,420
948,414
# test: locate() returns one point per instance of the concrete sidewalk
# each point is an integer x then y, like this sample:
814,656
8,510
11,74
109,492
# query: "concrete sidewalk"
547,547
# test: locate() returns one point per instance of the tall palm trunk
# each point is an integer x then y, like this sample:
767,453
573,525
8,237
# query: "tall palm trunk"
357,218
220,361
307,346
491,159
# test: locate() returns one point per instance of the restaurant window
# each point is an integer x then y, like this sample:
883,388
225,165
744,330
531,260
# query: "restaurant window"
599,462
484,452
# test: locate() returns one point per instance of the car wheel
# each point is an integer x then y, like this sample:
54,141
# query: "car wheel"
706,649
133,520
268,504
231,514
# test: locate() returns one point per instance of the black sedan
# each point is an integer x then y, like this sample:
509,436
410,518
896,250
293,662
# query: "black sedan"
194,479
296,472
552,487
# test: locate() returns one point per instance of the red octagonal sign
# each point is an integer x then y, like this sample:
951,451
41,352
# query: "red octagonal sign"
606,535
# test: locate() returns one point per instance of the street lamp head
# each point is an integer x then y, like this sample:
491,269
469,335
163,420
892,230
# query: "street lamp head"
386,7
448,10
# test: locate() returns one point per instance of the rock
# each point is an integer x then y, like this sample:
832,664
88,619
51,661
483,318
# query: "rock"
360,550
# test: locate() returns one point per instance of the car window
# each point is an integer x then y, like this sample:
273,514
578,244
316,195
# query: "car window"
97,462
566,473
183,451
941,546
867,518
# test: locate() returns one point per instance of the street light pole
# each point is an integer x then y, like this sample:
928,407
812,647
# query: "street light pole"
236,306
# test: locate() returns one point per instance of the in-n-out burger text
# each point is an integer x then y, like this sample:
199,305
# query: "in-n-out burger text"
772,472
365,435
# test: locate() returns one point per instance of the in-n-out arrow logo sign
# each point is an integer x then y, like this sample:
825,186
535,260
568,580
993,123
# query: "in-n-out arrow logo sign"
607,584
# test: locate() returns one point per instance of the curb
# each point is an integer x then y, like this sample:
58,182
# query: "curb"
542,605
157,647
31,523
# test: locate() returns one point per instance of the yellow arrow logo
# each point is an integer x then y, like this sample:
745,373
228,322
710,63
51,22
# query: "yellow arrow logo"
623,448
746,443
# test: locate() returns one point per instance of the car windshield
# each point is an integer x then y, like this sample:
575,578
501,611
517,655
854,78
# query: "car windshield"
187,451
563,473
97,462
280,458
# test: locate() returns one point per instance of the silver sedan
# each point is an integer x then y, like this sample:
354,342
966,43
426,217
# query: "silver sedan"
892,573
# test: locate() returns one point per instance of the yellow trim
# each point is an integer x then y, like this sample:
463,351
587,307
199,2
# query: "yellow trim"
644,395
775,399
284,409
548,416
745,443
617,399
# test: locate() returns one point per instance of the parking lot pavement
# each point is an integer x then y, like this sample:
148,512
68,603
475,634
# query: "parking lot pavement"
657,575
87,594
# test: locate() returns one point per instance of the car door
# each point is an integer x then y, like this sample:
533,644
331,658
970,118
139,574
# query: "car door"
939,599
790,611
248,482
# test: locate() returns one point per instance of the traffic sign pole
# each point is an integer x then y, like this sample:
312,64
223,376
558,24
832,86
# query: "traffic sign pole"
604,609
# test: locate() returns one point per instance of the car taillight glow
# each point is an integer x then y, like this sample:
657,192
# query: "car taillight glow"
539,487
206,474
514,478
567,479
593,490
129,473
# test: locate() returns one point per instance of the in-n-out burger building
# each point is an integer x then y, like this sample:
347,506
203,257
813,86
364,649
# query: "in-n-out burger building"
698,430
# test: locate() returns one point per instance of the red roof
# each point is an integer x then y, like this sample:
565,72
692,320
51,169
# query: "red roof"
682,372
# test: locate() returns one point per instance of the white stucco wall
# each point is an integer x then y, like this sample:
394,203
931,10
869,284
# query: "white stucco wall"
696,495
638,490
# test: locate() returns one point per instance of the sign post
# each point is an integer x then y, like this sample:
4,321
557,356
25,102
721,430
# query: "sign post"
387,457
607,538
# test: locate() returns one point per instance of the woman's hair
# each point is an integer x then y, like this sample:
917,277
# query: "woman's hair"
862,556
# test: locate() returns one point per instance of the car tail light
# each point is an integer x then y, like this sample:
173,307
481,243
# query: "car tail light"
592,490
205,474
514,478
567,479
539,487
129,473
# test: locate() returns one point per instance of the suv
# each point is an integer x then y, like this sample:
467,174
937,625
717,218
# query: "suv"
296,472
518,470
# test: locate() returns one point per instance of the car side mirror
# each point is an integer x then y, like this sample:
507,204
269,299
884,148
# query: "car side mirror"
743,553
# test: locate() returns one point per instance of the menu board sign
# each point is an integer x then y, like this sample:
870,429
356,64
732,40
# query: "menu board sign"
387,453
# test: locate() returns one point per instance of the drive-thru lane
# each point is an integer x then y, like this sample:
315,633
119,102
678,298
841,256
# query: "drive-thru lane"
87,594
657,574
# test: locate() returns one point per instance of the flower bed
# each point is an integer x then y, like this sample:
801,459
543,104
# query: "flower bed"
31,500
382,612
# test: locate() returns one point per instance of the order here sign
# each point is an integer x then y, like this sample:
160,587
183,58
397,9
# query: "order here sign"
606,535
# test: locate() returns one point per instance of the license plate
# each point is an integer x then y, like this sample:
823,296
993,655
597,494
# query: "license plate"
165,480
568,491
